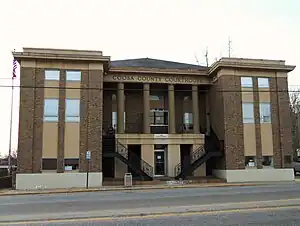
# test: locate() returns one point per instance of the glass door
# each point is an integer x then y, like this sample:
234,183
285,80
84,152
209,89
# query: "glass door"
159,162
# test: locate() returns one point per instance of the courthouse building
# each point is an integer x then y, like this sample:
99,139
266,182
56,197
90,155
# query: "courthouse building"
152,118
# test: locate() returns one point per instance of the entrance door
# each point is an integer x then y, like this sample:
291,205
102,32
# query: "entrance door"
159,162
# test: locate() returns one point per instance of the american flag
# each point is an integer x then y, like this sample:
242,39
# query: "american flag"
15,66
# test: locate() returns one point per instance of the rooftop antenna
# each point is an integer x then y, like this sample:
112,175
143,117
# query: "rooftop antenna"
229,47
196,59
206,56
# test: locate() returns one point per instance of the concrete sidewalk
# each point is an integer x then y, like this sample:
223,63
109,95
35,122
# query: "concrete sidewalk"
9,192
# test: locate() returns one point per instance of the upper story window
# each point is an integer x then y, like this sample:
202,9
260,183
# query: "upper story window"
51,110
72,110
73,75
188,118
158,117
114,119
156,97
52,75
248,113
263,82
246,82
265,112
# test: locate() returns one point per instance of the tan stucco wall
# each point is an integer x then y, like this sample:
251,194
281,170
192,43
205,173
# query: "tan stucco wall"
51,92
266,139
50,140
72,134
120,168
249,139
147,153
173,158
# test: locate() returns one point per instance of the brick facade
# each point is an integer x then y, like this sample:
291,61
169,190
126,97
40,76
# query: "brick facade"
96,105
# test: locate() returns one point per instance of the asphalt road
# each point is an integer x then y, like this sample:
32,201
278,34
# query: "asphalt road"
275,199
274,217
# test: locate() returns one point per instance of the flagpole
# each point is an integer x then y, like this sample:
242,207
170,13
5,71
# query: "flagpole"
10,127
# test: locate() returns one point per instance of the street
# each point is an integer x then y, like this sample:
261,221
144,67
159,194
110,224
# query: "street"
275,204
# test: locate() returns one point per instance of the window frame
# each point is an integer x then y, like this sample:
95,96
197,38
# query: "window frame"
244,84
70,117
154,114
73,79
114,119
261,84
262,117
248,119
51,117
51,77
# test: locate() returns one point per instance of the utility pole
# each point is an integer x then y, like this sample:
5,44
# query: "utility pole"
229,47
196,59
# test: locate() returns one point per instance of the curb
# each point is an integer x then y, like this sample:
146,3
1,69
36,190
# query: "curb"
128,189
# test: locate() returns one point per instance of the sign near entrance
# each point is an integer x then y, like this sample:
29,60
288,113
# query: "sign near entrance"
88,155
167,79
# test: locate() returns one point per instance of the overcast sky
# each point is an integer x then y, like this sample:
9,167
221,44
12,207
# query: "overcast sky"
173,30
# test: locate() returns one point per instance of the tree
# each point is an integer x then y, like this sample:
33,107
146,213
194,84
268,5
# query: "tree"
295,114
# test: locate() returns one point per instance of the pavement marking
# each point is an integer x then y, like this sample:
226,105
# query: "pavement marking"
153,216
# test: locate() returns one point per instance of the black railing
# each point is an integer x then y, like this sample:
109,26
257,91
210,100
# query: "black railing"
134,159
194,156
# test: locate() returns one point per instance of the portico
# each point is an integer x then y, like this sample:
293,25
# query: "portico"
160,93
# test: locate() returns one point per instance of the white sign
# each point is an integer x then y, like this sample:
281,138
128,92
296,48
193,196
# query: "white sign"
68,168
88,155
160,136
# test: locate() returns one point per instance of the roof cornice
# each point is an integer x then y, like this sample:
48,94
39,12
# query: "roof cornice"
254,64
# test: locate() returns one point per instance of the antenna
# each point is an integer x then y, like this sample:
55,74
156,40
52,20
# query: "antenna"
196,59
206,56
229,47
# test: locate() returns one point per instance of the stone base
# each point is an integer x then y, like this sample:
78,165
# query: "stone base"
57,180
255,175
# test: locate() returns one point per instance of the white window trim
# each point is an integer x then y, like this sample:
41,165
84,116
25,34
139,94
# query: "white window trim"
72,118
51,118
52,78
260,113
248,120
73,80
263,85
246,85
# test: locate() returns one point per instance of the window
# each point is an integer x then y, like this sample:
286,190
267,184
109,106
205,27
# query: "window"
188,121
250,161
263,82
52,75
246,82
158,117
73,76
51,110
248,113
72,110
267,161
114,119
265,112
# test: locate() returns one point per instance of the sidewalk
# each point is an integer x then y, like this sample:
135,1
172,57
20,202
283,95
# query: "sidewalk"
9,192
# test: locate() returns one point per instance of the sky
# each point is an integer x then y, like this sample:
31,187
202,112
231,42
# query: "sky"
175,30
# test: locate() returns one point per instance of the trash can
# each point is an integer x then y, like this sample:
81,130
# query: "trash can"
128,180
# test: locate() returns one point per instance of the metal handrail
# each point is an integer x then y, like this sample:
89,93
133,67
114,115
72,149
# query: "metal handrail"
144,166
195,155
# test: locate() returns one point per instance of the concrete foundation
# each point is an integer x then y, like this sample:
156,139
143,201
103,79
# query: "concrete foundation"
255,175
57,180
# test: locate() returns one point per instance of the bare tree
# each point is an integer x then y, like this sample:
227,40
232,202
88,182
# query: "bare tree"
295,113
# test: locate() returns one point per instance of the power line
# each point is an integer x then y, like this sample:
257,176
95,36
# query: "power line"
271,90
